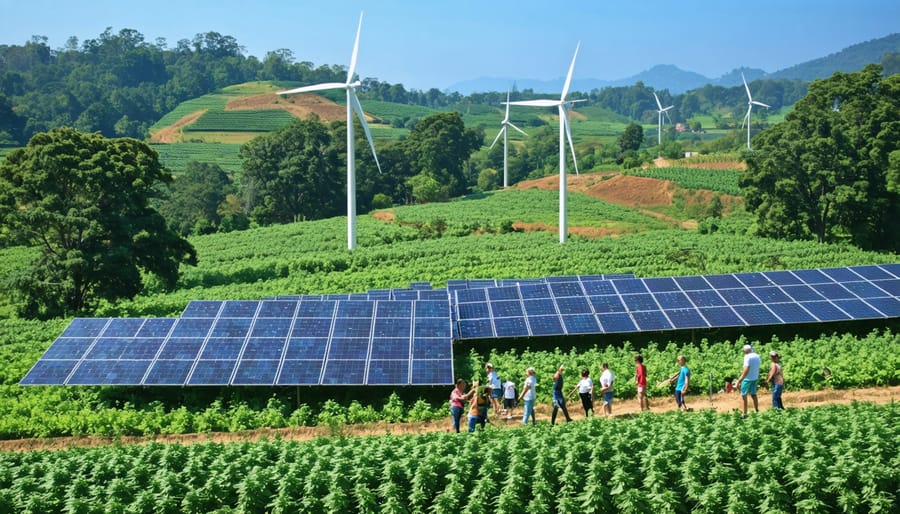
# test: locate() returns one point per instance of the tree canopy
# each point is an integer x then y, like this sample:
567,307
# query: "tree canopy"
84,202
831,170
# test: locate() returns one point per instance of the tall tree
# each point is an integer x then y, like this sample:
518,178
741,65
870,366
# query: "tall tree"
196,199
292,174
825,173
438,147
84,201
631,138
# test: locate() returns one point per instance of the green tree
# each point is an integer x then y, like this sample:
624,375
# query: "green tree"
84,201
292,174
488,179
825,172
197,196
439,146
632,138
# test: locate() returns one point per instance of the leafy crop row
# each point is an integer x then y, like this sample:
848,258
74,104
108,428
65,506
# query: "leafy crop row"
842,458
241,121
722,180
176,156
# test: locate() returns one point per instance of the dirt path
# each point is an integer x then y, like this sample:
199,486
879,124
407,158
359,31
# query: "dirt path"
624,408
172,133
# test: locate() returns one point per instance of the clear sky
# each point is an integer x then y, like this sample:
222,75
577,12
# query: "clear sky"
424,44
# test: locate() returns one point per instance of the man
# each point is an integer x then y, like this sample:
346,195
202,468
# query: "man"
682,380
496,389
528,396
749,379
606,389
559,401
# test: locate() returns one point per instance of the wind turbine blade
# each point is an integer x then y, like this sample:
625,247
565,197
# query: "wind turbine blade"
352,68
564,119
517,128
754,102
667,108
746,87
658,104
565,90
667,115
500,133
537,103
315,87
506,118
362,121
746,118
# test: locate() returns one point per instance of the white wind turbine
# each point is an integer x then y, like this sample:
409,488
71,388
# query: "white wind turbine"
750,103
352,105
660,112
505,124
564,133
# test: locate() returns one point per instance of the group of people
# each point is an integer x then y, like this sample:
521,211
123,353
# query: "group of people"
480,399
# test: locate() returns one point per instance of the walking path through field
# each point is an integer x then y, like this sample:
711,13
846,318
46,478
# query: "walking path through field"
722,402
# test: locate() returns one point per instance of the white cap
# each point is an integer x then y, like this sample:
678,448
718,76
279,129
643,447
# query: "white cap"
748,348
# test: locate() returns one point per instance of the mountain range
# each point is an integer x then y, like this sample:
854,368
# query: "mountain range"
677,80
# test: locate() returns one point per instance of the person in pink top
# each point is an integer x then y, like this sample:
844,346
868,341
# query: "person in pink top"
458,399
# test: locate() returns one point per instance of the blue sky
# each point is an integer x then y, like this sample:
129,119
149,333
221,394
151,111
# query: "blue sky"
424,44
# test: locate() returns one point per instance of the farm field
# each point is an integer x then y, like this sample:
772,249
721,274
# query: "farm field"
176,156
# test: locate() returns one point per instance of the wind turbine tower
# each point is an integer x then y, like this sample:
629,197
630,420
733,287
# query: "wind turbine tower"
352,105
660,111
505,124
750,103
565,132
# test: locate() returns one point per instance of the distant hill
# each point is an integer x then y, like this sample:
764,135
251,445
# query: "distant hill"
677,80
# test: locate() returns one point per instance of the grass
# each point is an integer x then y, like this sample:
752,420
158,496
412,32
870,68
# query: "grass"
176,156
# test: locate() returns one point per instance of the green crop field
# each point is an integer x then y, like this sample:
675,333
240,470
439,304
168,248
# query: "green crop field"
721,180
241,121
176,156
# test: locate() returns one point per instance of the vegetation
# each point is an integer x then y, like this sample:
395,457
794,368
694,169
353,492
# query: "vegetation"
83,200
793,461
721,180
829,171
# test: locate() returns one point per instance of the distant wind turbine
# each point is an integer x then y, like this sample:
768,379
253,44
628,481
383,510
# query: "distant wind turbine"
352,105
750,103
505,124
565,132
661,111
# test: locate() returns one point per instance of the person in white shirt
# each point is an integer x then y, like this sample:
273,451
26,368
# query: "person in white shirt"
585,390
496,391
528,396
509,398
749,379
606,389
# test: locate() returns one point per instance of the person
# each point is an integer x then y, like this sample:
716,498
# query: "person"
458,399
749,379
509,398
528,395
496,389
682,380
478,407
585,390
640,378
776,380
559,401
606,388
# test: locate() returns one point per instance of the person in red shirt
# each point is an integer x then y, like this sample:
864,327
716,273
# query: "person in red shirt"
640,378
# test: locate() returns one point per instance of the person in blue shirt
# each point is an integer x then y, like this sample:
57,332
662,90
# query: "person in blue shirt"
682,380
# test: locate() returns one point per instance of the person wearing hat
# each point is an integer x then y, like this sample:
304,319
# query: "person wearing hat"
749,379
559,400
496,387
776,380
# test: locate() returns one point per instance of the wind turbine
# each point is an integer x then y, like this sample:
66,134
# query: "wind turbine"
564,133
750,103
352,105
661,111
505,124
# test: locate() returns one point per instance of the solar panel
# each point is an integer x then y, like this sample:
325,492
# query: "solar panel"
375,338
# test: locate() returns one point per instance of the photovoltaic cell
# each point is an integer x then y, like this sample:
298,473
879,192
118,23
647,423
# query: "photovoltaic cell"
825,311
474,310
705,298
511,327
833,291
629,285
892,287
503,293
783,278
740,296
757,315
545,325
388,372
68,348
109,372
49,372
218,348
864,289
431,348
890,307
231,327
841,274
344,372
352,327
802,293
692,283
393,309
640,302
260,348
181,348
562,289
616,322
660,285
721,317
574,305
686,318
168,372
202,309
872,272
507,308
470,295
770,294
239,309
475,328
607,303
306,348
277,309
535,291
432,309
580,323
426,372
753,279
390,348
393,327
85,327
255,372
300,372
312,327
123,327
791,312
812,276
353,348
216,372
187,327
673,300
723,281
156,327
651,320
539,307
431,327
600,288
858,309
272,327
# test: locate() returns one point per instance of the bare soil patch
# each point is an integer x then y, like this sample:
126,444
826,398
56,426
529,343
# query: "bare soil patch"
721,402
386,216
172,133
300,106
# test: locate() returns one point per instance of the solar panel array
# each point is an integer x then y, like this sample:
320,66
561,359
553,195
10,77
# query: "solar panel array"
405,336
675,303
315,342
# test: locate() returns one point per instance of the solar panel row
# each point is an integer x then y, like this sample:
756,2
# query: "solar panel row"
258,343
673,303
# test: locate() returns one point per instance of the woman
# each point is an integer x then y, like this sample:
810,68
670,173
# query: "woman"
640,379
458,399
559,401
585,390
528,396
776,380
478,407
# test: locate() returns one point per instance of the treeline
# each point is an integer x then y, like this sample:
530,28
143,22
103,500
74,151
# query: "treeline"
119,84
